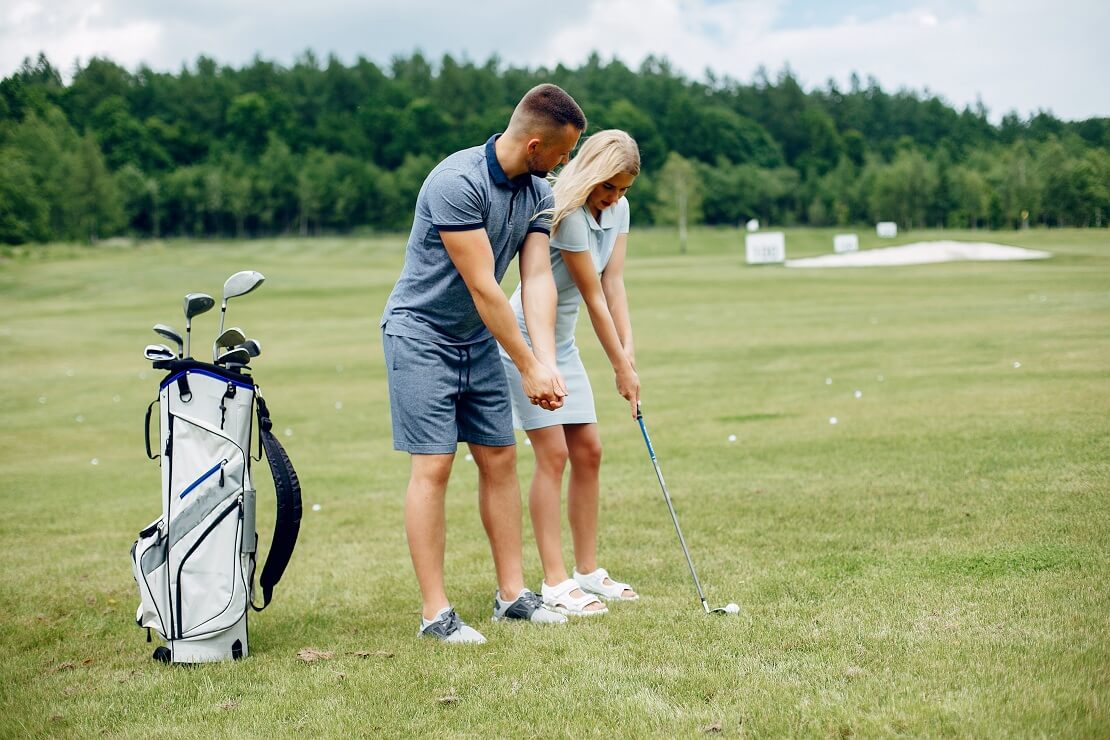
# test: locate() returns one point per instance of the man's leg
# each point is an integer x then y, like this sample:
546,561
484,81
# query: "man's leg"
499,504
425,527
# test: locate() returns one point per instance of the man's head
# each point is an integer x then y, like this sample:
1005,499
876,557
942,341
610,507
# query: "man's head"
546,123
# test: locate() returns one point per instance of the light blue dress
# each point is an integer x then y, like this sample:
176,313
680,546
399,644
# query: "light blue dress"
578,232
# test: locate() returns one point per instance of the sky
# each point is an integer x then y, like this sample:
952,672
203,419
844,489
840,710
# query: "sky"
1013,55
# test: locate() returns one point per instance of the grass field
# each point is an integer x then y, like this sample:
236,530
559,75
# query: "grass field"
936,563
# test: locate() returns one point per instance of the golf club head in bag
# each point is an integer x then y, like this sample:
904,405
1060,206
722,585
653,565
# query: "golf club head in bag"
158,353
252,346
240,283
229,338
731,608
168,332
194,304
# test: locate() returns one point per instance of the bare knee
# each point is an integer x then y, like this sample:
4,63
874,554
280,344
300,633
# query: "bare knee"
585,453
494,462
431,471
551,458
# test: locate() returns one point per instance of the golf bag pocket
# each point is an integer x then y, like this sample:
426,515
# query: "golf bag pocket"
208,579
148,563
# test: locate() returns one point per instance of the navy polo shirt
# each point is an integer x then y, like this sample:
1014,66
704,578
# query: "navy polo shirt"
468,190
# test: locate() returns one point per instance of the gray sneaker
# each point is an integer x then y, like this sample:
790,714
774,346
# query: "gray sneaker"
528,607
449,628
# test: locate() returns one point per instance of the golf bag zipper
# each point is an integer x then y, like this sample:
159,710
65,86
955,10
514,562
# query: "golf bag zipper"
206,475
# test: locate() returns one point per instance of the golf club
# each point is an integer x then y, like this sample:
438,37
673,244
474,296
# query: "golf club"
194,305
730,608
238,356
252,346
171,334
239,284
158,352
232,337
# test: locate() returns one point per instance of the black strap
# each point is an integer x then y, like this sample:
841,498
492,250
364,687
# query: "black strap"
147,430
288,522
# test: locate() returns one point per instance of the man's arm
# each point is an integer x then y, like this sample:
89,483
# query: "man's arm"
538,297
472,256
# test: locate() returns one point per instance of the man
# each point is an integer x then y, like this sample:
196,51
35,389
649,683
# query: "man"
476,210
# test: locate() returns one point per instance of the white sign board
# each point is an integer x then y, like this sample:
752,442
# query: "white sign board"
886,229
753,225
766,248
845,243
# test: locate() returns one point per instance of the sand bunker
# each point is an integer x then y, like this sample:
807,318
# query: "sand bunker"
922,253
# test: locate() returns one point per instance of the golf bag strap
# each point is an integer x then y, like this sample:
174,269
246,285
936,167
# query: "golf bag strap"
288,522
146,430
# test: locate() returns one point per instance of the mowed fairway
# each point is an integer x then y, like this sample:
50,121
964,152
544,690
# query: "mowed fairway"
935,563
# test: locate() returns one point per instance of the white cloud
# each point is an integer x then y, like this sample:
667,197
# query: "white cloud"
1015,54
1022,54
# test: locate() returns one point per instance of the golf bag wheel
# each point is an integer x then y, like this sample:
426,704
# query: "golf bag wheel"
162,654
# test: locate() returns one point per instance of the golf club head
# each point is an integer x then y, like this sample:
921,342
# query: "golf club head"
158,352
168,332
252,346
236,356
729,609
242,283
195,304
229,338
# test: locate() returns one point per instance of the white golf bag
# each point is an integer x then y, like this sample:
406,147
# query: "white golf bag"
195,564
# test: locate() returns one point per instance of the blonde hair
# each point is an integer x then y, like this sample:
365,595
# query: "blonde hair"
606,154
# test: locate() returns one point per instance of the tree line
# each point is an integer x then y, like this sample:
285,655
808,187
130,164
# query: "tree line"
329,147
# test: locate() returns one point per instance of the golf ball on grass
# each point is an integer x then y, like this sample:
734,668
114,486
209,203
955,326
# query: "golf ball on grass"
732,609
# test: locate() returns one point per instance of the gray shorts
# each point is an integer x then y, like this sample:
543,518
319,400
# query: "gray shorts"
440,395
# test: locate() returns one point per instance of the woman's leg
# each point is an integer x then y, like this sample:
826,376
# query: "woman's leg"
545,499
545,505
584,451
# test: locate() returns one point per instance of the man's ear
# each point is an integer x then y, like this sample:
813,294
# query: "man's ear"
533,145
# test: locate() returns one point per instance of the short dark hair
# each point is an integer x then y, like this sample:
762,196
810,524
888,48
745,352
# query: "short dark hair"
552,103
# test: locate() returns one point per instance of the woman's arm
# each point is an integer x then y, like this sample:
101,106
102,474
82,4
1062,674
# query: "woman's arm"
612,285
580,266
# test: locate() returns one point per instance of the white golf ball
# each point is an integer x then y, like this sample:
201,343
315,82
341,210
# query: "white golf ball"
316,507
833,420
288,431
828,381
1017,365
733,609
470,458
732,438
95,461
338,405
859,394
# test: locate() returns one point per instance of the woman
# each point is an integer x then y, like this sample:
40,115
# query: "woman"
588,244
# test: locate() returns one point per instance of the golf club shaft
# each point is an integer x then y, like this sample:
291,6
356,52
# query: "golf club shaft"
670,507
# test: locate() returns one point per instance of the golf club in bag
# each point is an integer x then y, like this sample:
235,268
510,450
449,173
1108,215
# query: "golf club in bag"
730,608
195,564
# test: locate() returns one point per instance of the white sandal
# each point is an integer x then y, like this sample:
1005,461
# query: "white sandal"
559,599
594,583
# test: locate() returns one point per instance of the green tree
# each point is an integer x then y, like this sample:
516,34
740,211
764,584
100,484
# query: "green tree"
678,198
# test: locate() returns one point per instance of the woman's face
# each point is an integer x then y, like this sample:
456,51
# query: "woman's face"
607,193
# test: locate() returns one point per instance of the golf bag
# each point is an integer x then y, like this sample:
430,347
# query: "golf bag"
195,564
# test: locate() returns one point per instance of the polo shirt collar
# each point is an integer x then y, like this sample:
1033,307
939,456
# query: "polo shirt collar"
608,218
497,173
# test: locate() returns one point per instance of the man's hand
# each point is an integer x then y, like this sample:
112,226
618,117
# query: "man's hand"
543,386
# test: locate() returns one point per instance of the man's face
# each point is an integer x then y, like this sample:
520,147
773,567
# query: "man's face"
553,150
